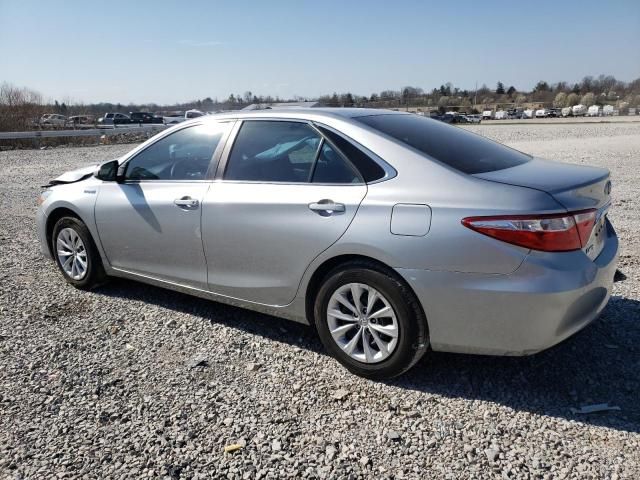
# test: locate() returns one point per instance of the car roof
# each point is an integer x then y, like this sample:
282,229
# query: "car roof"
294,112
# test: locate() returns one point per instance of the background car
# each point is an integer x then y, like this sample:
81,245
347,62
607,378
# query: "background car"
389,232
144,117
52,120
451,118
114,119
80,120
473,118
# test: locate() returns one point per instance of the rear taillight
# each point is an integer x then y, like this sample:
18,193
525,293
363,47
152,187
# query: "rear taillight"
550,233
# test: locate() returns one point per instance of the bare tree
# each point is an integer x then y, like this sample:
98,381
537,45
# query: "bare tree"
19,107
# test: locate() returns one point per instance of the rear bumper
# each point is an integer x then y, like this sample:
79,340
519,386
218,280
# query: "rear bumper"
548,298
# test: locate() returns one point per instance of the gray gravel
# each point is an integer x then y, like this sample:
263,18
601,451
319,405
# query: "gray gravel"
131,381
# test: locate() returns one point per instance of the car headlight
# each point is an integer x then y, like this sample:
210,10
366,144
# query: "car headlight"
43,196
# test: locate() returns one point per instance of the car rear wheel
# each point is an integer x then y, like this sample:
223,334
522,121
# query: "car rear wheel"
370,321
76,254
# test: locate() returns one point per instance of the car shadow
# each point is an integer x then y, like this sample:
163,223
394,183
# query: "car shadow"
600,364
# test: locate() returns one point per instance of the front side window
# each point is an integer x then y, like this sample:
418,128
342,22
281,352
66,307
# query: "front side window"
273,151
183,155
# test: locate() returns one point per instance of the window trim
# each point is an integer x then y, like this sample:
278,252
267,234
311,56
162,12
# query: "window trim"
213,161
233,136
389,171
341,155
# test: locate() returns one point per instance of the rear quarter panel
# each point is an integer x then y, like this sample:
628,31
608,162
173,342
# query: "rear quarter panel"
451,196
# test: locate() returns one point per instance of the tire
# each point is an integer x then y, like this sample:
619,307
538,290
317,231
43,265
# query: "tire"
406,317
94,274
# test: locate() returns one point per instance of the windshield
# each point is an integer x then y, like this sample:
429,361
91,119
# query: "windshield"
453,146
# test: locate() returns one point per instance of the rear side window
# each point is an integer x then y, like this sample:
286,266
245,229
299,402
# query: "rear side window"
273,151
453,146
332,168
368,168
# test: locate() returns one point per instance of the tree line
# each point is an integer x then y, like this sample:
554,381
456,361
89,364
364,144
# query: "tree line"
20,107
601,90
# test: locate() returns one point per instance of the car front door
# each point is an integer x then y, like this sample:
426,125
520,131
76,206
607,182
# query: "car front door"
149,223
285,195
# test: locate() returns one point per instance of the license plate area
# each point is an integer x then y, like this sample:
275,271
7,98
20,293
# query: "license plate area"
598,236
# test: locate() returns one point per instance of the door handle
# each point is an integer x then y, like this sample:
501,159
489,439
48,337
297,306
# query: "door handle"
186,202
327,207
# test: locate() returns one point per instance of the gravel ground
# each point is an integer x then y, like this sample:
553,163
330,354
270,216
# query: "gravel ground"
132,381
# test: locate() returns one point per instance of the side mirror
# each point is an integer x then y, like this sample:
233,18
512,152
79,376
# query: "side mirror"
109,172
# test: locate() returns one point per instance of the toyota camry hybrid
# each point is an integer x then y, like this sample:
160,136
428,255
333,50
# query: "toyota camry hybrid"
388,232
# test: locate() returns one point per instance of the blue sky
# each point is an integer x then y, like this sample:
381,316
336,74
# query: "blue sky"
169,51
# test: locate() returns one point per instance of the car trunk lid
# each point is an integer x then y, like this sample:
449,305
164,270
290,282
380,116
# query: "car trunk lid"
575,187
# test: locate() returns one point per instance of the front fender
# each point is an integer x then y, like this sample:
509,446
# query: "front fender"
77,198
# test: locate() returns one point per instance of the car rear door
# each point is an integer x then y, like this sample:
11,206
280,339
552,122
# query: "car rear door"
283,195
149,224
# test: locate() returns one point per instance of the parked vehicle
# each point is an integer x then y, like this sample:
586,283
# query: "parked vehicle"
144,117
593,111
542,113
554,113
324,216
578,110
566,112
500,115
473,118
177,117
80,121
487,115
514,113
52,120
528,113
114,119
451,117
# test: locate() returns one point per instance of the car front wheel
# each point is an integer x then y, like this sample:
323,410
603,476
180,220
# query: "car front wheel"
76,254
370,321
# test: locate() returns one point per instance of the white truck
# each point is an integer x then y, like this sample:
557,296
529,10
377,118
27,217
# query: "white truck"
176,117
500,115
487,115
607,110
528,113
566,111
579,110
593,111
542,113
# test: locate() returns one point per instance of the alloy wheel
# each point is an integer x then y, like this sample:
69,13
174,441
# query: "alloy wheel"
72,253
362,322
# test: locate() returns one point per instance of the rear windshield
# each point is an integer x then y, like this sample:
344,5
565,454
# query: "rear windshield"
453,146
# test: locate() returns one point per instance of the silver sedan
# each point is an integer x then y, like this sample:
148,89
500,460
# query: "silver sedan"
388,232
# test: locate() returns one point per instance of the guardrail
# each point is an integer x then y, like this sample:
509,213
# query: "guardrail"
93,132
